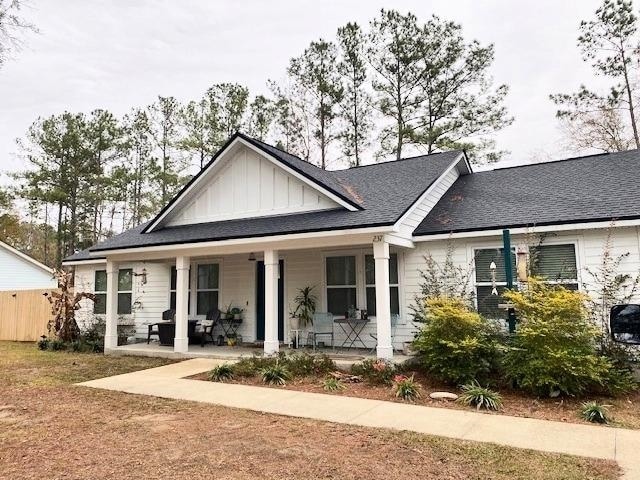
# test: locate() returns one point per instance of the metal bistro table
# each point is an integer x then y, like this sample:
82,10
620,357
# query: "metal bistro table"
352,328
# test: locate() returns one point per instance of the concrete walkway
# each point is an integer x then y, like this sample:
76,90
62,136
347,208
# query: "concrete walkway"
168,381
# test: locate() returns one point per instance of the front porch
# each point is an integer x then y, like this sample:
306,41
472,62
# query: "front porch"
348,273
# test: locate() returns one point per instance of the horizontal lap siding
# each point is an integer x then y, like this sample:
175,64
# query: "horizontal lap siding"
238,288
302,268
149,300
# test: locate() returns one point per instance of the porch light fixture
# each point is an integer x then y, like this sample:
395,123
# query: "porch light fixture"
252,257
142,275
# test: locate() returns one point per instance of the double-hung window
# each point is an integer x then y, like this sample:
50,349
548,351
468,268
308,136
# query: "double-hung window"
488,303
555,264
125,291
341,284
370,280
207,288
100,291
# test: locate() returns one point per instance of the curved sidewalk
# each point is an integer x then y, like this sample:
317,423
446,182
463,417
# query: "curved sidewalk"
617,444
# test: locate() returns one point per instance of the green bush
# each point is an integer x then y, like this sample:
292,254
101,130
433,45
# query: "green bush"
474,394
56,345
374,372
304,364
251,366
554,351
456,344
43,343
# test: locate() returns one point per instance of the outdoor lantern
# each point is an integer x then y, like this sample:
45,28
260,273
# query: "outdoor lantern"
252,257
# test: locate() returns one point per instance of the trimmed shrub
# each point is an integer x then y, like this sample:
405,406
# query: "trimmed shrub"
304,364
375,372
251,366
456,344
554,351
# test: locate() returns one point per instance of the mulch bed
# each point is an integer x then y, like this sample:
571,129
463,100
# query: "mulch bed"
625,410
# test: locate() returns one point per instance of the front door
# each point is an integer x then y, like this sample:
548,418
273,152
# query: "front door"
260,301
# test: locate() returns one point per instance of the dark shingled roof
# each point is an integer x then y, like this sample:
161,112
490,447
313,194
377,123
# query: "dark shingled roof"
586,189
382,192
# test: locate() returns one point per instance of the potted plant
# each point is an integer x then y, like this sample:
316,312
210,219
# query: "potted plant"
304,308
232,339
237,313
227,314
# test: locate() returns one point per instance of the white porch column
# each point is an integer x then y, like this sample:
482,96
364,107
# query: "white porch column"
111,317
181,340
383,301
271,272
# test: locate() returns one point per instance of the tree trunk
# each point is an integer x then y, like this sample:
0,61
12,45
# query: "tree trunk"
630,100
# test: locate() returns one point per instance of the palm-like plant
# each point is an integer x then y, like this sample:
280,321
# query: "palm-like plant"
305,306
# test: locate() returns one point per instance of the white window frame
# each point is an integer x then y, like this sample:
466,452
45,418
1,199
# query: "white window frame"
193,280
99,292
126,291
361,287
552,241
328,287
196,290
391,285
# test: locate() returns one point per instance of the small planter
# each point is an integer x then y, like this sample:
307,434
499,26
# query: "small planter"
407,348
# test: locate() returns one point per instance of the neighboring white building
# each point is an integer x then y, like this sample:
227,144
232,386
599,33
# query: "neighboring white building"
21,272
257,224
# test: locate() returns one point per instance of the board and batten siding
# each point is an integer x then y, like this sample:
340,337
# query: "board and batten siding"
16,273
249,185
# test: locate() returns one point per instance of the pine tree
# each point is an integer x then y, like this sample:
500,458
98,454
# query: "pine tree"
315,72
356,106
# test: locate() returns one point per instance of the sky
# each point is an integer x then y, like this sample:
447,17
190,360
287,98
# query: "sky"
117,54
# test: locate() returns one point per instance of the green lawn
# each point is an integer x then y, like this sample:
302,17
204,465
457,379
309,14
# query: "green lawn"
50,428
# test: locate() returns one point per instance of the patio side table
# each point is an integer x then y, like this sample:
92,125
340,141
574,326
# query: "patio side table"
352,328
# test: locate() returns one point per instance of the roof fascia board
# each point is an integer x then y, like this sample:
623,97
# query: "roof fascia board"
89,261
246,240
560,227
429,189
26,257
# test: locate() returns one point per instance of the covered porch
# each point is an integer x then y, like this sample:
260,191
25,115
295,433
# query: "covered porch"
349,271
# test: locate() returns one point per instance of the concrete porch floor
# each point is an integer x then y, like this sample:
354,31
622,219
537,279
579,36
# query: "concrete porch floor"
341,357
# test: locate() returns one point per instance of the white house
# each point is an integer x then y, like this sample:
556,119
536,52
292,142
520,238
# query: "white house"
256,224
21,272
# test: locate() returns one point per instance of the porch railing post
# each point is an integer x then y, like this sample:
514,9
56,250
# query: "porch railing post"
181,340
111,314
383,300
271,272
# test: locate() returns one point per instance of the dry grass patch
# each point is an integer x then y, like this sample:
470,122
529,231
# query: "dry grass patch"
56,430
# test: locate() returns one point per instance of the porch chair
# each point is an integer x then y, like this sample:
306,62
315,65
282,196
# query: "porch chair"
322,326
394,323
209,325
167,315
